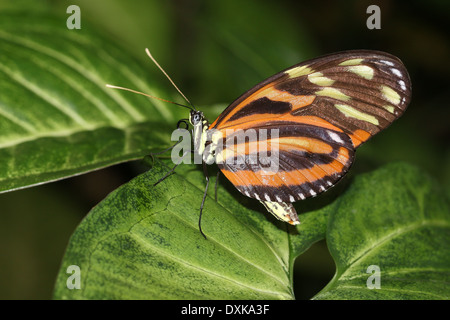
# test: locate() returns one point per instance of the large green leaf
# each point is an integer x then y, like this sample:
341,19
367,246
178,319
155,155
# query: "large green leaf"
397,219
57,118
142,242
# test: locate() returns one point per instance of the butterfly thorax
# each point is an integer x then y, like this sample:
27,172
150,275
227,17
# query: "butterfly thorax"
201,125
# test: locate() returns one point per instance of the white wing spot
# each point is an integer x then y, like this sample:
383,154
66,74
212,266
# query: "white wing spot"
266,196
278,199
291,199
329,183
335,137
402,84
301,196
256,196
396,72
322,188
312,192
388,63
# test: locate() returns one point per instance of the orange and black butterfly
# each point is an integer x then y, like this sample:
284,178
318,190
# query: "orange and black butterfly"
322,110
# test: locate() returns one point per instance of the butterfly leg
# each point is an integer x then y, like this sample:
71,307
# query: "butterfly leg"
169,148
171,170
205,171
152,155
217,183
283,211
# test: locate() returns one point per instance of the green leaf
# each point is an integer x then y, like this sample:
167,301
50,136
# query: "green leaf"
397,219
57,118
142,242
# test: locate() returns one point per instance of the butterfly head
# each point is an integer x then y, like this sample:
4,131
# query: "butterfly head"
196,117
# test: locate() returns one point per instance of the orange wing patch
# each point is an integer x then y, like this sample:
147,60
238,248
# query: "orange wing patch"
294,102
359,136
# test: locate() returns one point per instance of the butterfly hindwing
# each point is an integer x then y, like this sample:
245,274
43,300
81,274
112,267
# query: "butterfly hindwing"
300,161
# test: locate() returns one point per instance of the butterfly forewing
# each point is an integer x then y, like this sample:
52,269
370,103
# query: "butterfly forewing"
361,92
323,109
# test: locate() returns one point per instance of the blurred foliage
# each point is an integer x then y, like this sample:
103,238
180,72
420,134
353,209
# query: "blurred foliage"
215,51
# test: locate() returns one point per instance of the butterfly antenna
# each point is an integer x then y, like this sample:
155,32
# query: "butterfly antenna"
147,95
167,76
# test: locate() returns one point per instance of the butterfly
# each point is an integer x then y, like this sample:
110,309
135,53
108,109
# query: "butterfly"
321,110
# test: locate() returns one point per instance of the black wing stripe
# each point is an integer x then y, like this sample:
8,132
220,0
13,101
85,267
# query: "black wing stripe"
262,106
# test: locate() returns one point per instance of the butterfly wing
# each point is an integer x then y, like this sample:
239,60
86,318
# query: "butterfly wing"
285,161
323,109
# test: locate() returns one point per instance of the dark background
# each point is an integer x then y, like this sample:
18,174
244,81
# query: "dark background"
215,51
